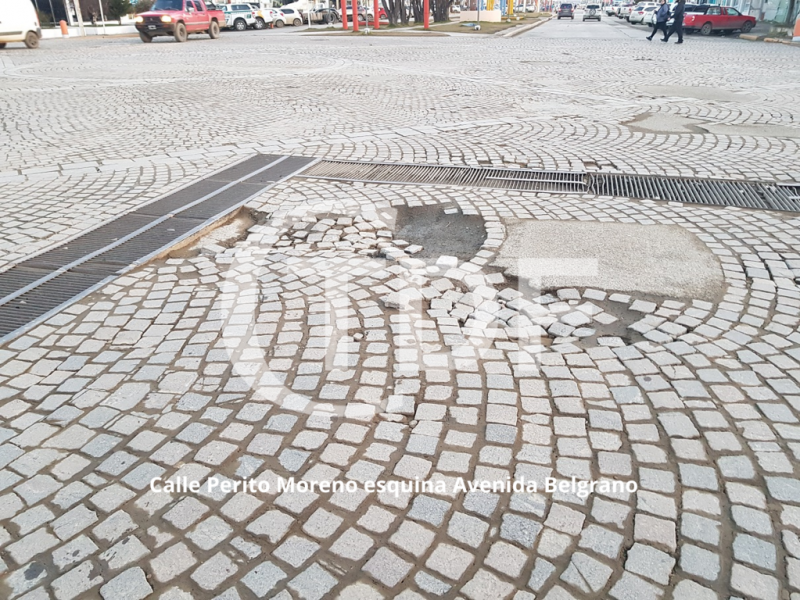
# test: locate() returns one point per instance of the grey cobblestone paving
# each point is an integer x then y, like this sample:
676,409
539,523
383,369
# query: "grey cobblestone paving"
320,347
108,127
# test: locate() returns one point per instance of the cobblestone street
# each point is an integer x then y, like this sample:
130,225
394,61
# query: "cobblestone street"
381,332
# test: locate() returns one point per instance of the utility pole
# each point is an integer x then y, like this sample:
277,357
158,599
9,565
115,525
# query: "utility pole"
102,16
80,17
68,11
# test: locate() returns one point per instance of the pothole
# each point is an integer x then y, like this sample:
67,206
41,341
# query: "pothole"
440,231
220,237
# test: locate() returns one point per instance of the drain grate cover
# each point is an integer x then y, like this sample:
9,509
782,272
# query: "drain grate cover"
30,291
513,179
716,192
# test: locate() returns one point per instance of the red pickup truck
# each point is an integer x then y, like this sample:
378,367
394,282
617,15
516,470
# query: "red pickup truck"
179,18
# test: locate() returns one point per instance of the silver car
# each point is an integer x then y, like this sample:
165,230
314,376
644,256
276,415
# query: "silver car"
592,11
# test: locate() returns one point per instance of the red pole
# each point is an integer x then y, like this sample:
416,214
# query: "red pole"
377,18
344,14
354,4
426,9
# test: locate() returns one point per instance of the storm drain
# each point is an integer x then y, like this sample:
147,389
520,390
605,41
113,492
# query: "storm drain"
510,179
32,290
716,192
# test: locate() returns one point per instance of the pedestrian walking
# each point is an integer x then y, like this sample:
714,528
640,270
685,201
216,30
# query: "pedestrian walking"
677,22
662,16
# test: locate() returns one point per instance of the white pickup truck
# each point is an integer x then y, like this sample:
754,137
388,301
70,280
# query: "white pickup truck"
240,16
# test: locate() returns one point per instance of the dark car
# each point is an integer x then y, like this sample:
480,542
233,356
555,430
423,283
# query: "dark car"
566,10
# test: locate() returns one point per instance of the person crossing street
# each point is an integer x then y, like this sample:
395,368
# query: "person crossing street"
661,18
677,23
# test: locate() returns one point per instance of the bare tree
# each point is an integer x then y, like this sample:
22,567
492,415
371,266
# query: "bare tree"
441,10
395,11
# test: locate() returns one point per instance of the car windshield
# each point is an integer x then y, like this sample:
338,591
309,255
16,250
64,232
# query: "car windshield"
168,5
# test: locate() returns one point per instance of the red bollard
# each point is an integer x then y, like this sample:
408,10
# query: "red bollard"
426,9
354,4
344,15
377,17
64,30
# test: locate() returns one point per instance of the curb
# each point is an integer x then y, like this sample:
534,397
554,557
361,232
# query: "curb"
518,31
767,39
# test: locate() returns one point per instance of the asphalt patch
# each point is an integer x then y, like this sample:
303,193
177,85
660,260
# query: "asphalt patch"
440,233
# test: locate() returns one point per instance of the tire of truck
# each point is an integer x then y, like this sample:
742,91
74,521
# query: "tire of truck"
180,33
213,30
706,29
748,25
32,40
145,38
239,25
260,24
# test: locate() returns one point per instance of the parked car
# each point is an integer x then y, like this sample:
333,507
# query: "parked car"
239,16
325,15
707,18
179,18
19,23
382,16
624,10
362,13
592,11
265,17
566,11
640,14
291,16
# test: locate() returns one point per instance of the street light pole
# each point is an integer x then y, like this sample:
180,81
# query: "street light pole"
68,11
102,17
80,17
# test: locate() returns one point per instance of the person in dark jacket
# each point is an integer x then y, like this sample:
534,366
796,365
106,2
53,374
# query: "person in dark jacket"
677,23
661,18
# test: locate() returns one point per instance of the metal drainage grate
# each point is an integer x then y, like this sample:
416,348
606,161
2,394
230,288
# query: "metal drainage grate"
716,192
32,290
511,179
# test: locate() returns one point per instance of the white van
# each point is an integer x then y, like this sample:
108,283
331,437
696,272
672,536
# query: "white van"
19,23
